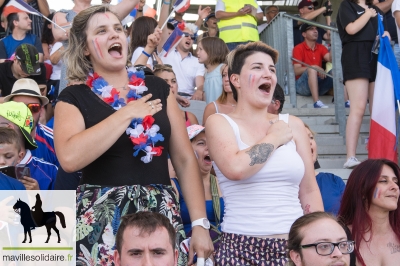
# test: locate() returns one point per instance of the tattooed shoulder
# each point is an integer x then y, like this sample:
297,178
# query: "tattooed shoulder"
393,247
259,153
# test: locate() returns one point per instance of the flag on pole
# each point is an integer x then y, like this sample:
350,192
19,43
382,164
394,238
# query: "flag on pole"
172,41
382,139
181,6
15,6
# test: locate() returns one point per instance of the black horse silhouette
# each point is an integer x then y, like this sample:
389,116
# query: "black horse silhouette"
31,219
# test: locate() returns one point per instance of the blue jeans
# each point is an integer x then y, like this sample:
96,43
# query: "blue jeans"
233,45
324,85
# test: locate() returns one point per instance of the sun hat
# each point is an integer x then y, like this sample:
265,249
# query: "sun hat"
194,130
27,87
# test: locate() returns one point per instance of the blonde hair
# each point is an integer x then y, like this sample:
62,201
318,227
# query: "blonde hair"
224,95
312,132
78,65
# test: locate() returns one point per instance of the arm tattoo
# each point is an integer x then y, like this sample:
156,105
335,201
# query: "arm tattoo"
393,247
259,153
307,209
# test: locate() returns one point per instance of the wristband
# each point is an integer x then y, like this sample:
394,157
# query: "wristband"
140,10
146,54
166,3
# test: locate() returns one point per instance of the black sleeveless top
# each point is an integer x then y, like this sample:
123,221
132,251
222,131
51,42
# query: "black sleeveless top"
117,166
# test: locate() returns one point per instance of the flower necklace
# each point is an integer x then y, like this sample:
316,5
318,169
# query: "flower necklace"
142,132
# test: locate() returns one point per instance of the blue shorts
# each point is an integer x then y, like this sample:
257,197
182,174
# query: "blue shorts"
324,85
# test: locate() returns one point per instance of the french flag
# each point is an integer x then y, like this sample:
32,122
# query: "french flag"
181,6
382,139
172,41
15,6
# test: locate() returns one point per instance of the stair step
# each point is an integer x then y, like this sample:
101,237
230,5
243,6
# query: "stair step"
335,128
299,112
336,163
340,150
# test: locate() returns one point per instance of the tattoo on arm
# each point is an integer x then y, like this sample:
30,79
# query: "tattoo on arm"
260,153
393,247
307,209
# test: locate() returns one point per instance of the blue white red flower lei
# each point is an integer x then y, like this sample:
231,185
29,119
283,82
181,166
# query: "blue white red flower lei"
142,132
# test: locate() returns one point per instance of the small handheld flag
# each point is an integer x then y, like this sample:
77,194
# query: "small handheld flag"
172,41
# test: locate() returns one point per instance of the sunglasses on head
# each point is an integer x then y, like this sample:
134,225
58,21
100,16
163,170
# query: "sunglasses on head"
310,7
189,35
34,107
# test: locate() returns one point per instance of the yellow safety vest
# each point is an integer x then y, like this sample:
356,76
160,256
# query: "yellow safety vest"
238,29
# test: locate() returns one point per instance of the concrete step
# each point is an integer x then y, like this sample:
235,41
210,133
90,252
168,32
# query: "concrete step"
299,112
335,139
340,150
336,162
321,129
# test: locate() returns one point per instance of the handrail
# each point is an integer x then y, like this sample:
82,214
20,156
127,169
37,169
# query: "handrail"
310,22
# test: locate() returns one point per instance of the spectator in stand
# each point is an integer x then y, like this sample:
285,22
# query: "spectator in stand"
330,185
115,165
47,39
237,21
370,212
396,15
307,11
210,22
308,80
64,18
278,100
270,13
141,29
170,28
24,65
166,73
252,171
18,117
212,52
225,104
37,21
19,24
213,194
357,25
3,26
149,236
318,239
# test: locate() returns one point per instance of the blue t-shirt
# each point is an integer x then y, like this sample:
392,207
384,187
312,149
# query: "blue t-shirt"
8,45
8,183
332,188
187,224
45,141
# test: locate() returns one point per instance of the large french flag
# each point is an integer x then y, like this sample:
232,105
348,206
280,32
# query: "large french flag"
15,6
382,139
181,6
172,41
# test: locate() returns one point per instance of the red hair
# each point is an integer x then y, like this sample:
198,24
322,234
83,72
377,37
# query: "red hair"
357,198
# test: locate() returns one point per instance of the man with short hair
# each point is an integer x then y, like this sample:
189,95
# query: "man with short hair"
145,238
307,11
18,117
270,13
24,65
317,239
308,80
278,99
20,24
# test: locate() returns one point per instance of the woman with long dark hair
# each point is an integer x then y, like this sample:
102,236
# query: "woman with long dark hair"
370,210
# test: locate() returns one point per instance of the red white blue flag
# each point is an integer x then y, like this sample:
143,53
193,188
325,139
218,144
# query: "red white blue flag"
15,6
172,41
382,139
181,6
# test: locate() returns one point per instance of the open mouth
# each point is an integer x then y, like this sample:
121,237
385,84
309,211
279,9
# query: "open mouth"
266,87
115,50
207,159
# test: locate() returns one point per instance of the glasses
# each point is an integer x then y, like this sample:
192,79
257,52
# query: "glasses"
189,35
273,11
310,7
34,107
326,248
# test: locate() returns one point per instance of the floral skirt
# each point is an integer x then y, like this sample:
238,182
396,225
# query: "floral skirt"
246,250
99,210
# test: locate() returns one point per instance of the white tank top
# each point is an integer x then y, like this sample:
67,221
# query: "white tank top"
267,203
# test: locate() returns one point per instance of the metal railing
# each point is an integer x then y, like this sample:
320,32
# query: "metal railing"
279,35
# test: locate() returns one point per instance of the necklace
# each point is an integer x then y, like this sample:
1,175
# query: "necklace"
143,133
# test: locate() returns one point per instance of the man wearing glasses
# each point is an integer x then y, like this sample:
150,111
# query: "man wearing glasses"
24,65
270,13
307,11
318,239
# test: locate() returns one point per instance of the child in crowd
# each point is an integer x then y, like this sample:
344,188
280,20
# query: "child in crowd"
212,52
10,155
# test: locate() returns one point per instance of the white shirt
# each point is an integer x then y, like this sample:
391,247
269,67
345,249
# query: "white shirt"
262,27
220,6
56,74
136,55
396,7
186,70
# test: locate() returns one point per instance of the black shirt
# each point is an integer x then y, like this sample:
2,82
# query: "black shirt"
298,37
7,78
117,166
350,12
391,24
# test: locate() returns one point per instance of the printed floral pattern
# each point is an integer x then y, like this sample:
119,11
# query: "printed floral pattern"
99,210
